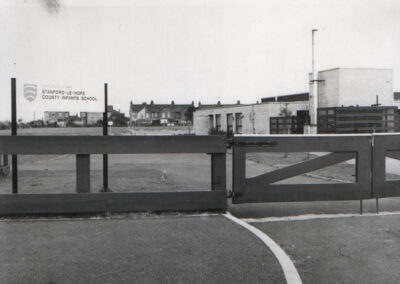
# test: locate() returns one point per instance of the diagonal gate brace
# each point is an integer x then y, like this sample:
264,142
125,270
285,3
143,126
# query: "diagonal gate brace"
300,168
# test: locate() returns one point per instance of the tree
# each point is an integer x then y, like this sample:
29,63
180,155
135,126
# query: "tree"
189,113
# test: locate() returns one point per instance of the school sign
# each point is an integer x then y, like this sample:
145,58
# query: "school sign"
32,96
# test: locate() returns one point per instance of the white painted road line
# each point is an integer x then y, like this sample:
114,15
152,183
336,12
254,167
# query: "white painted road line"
317,216
289,270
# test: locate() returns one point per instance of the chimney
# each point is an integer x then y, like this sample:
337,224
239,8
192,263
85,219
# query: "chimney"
199,103
152,102
172,103
144,103
219,103
192,103
238,102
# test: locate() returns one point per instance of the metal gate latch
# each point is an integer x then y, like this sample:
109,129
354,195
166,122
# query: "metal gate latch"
255,143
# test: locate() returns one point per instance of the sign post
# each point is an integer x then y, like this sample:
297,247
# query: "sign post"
14,161
105,133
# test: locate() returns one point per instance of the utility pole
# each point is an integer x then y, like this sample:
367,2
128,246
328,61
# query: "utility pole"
314,82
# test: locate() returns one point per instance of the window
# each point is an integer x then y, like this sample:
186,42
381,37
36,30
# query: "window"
238,119
177,115
218,122
154,114
147,115
210,121
229,123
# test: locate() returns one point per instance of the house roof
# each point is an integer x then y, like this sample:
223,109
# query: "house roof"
159,107
201,107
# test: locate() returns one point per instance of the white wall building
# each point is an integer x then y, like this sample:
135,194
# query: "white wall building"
355,86
243,119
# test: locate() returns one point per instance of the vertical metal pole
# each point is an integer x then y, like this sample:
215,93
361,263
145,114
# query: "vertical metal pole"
14,161
314,82
105,133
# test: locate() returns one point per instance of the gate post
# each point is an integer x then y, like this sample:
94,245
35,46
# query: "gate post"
218,171
379,166
82,173
238,171
364,173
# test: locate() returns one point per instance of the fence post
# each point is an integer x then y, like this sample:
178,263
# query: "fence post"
218,171
82,173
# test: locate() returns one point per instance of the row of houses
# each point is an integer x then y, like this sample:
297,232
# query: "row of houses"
161,114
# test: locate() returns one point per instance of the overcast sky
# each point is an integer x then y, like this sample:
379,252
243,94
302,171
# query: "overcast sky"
190,50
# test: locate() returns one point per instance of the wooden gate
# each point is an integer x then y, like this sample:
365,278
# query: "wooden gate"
262,188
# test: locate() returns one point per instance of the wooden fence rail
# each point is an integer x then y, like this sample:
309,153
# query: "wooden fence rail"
84,202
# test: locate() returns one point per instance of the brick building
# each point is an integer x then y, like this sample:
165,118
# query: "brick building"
160,114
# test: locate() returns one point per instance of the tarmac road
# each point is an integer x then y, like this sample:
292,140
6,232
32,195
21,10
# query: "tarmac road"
341,250
134,249
138,248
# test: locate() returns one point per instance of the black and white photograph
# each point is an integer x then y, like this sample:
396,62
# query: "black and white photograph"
199,141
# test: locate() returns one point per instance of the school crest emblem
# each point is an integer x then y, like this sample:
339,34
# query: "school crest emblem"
30,92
